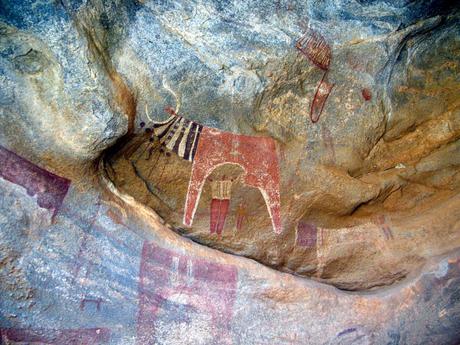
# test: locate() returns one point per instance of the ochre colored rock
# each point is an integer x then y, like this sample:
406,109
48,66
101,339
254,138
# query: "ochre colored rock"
302,186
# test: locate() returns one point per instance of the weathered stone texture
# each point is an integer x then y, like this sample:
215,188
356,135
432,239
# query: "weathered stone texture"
355,101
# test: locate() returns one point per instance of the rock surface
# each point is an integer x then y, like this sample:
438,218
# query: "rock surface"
384,149
360,101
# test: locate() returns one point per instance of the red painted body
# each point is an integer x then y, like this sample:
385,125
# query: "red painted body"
169,281
256,155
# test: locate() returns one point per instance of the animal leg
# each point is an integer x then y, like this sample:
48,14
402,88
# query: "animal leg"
195,187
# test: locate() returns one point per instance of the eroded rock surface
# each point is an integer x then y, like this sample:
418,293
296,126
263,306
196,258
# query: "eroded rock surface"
383,151
346,111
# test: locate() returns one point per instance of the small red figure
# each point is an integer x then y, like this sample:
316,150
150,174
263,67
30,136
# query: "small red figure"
221,191
306,235
367,95
382,222
240,217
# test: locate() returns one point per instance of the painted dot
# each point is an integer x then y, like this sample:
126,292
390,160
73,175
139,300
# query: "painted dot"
367,95
142,124
151,139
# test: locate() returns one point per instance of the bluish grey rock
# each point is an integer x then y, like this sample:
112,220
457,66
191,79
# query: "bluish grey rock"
92,245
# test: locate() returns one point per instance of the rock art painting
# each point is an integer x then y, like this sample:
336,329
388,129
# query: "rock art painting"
208,148
381,221
256,155
83,262
306,234
367,95
353,335
49,188
86,336
322,93
328,143
175,289
314,46
220,203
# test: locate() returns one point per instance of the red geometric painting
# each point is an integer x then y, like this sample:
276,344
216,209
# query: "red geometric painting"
315,48
49,188
175,290
306,235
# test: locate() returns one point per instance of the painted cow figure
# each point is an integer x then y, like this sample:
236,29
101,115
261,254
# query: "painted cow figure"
207,148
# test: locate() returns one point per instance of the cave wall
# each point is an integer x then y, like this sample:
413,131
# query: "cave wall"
93,248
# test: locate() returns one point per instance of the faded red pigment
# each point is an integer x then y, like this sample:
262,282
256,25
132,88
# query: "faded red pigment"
204,287
314,46
83,259
382,223
92,225
328,143
80,336
256,155
219,211
322,93
306,235
367,95
49,188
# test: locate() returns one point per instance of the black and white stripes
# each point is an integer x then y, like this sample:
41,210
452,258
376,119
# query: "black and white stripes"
178,135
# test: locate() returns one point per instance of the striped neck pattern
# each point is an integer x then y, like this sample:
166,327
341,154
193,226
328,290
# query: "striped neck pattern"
178,135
